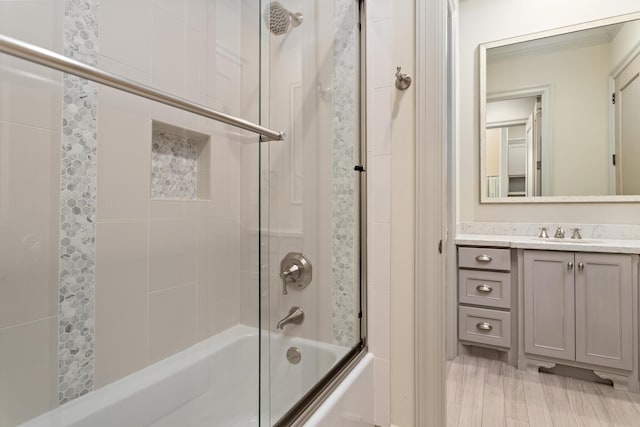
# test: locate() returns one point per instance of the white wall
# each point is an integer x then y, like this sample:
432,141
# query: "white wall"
625,42
483,21
510,109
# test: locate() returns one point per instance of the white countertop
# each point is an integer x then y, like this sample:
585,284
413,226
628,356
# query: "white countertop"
527,242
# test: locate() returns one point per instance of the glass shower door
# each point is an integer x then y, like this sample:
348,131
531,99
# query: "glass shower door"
310,197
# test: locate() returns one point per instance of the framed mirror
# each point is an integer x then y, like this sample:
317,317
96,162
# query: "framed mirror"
560,115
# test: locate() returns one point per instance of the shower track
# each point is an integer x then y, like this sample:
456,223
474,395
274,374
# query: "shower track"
60,62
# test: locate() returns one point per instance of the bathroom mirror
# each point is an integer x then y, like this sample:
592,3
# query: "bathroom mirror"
560,114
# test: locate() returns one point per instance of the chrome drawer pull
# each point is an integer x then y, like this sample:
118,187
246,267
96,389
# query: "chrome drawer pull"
484,288
580,266
484,326
483,258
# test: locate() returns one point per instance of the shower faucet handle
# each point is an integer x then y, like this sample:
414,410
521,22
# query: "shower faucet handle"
296,271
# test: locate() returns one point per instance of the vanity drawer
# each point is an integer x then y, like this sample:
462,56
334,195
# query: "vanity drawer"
484,258
484,326
490,288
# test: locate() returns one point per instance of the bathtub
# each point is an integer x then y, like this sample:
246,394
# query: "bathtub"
213,383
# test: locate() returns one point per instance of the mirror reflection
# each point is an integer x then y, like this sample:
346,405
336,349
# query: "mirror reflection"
562,115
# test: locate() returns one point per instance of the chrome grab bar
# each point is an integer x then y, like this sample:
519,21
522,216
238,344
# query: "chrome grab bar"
59,62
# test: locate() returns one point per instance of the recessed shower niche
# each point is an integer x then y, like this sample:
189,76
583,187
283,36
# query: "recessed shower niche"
180,163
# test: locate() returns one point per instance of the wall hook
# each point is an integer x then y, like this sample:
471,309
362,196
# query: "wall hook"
403,80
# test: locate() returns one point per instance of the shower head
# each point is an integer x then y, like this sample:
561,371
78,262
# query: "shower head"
279,19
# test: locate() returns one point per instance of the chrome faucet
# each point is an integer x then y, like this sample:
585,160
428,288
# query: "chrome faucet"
576,233
295,316
559,233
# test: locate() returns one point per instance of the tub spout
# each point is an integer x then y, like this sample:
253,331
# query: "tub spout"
295,316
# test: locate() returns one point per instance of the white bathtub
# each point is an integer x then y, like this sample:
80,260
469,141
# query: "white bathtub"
213,383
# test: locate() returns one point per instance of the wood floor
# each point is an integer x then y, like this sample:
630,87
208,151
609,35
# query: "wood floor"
490,393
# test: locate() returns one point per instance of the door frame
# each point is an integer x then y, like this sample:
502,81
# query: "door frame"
431,209
613,143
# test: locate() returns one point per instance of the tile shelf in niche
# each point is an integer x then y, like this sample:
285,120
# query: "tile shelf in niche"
180,163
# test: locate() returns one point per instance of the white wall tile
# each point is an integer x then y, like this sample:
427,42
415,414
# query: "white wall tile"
30,94
125,32
172,321
177,8
381,110
197,14
380,256
173,252
380,189
379,9
28,370
380,67
380,325
382,392
124,156
29,215
38,22
219,281
123,70
121,299
169,41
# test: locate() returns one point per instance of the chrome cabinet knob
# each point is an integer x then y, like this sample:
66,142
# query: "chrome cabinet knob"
483,258
580,266
570,265
484,326
484,288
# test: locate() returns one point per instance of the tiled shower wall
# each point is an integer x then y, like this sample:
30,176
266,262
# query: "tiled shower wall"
30,138
164,270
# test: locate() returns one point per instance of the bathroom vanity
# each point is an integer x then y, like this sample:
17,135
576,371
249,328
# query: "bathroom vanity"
548,302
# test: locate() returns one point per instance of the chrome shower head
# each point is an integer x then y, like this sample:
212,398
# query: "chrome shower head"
279,19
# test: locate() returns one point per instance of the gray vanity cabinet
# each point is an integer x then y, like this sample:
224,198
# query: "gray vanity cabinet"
578,307
604,310
549,320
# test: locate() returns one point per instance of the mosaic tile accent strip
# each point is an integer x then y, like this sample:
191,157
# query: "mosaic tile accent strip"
344,145
78,206
174,166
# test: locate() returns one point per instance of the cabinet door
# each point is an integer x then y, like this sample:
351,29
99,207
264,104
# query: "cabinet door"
604,305
549,322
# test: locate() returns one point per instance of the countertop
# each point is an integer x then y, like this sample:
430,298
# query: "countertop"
551,244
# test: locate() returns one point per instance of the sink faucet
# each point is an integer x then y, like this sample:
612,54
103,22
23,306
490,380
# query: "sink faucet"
576,233
559,233
295,316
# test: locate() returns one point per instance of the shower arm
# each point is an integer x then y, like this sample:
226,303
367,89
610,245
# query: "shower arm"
59,62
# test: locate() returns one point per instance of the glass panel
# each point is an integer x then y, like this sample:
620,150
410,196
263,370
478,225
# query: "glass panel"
313,211
129,231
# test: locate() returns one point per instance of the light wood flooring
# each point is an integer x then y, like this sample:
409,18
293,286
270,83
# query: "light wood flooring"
490,393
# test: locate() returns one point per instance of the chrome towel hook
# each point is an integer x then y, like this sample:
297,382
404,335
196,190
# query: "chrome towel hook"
403,80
